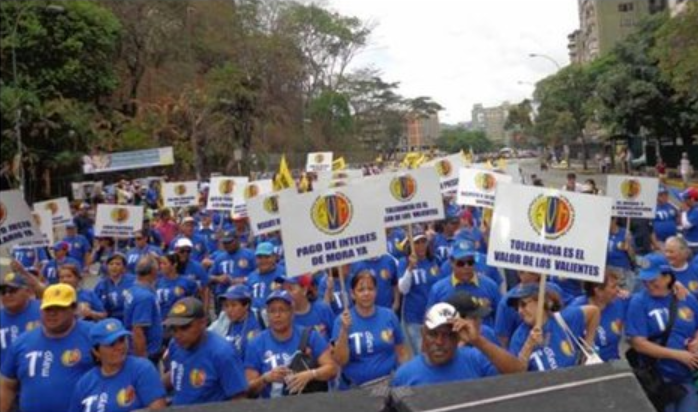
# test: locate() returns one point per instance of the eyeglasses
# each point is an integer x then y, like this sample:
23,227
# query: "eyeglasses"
8,291
464,262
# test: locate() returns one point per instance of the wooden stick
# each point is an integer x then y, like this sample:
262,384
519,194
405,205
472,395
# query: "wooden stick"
343,288
541,301
410,237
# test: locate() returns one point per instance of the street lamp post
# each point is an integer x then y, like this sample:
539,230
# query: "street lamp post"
546,57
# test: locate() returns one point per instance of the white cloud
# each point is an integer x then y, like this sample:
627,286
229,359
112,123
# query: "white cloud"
462,52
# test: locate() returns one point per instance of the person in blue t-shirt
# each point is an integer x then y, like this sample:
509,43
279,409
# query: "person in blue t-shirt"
269,355
384,268
141,248
207,231
368,340
620,254
317,314
90,307
120,382
329,288
441,360
689,218
30,257
648,317
170,286
232,266
203,366
465,278
102,252
110,289
665,223
418,273
142,312
43,365
20,311
678,257
613,304
236,323
261,280
60,253
198,246
80,247
443,242
191,269
549,347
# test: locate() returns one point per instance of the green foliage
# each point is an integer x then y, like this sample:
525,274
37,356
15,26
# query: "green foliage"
677,51
455,140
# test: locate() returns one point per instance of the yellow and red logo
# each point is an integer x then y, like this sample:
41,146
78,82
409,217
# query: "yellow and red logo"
226,186
617,326
331,214
403,188
387,335
178,291
32,325
53,207
252,190
180,189
444,168
3,213
126,396
271,204
71,357
242,263
197,378
686,314
485,181
319,158
551,215
385,274
112,326
567,348
178,309
630,189
693,285
119,214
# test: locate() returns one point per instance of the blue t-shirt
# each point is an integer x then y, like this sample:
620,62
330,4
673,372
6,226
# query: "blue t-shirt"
468,364
241,333
142,309
209,236
79,247
261,285
135,254
664,223
442,247
112,294
691,233
50,271
90,298
13,326
688,276
570,288
648,317
265,353
336,304
236,265
558,350
170,291
384,270
320,317
48,369
486,291
199,251
473,235
210,372
371,342
424,276
610,331
135,386
29,256
194,271
615,256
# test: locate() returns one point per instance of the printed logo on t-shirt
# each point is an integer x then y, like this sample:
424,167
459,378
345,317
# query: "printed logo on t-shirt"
71,357
126,396
385,274
693,285
178,291
387,335
617,326
242,263
566,348
197,377
686,314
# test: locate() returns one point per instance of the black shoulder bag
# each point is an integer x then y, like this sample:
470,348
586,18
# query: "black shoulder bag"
646,369
302,362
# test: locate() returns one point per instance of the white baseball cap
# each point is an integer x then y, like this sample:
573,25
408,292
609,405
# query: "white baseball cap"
440,314
183,242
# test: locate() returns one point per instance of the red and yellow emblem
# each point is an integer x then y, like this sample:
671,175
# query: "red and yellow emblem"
332,213
197,378
226,186
444,168
403,188
71,357
119,214
630,189
126,396
552,215
485,181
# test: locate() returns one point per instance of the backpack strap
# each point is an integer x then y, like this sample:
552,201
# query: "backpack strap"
305,337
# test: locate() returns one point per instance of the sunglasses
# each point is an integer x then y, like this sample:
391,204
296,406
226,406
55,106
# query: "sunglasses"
8,291
464,262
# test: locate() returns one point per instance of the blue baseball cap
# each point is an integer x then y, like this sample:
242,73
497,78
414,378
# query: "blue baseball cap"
525,291
652,265
302,280
264,249
463,249
107,331
228,236
662,190
279,295
237,292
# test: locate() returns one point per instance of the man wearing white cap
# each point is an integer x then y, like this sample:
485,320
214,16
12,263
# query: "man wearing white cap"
443,361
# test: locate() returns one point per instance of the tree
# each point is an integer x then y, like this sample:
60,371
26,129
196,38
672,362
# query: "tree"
519,122
677,51
455,140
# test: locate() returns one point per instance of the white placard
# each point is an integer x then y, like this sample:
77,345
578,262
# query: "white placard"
338,178
263,211
633,196
332,228
550,231
222,191
412,196
17,226
319,161
250,191
59,208
477,187
42,218
448,169
118,221
86,190
180,194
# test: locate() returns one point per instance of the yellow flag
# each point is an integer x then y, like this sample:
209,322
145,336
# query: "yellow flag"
379,159
502,163
418,161
339,164
304,183
283,178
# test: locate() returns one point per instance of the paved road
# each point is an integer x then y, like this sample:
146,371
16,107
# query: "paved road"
558,177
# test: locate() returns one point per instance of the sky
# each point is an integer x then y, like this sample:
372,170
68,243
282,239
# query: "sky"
463,52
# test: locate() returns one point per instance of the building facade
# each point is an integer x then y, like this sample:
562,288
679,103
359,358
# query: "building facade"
422,132
491,120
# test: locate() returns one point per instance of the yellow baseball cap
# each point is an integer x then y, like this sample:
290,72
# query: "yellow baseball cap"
61,295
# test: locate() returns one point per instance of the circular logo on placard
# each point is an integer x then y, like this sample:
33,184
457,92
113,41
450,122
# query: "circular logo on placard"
271,204
252,190
485,181
119,215
443,168
554,215
332,214
319,158
226,186
126,396
403,188
197,378
180,189
3,213
630,189
71,357
53,207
